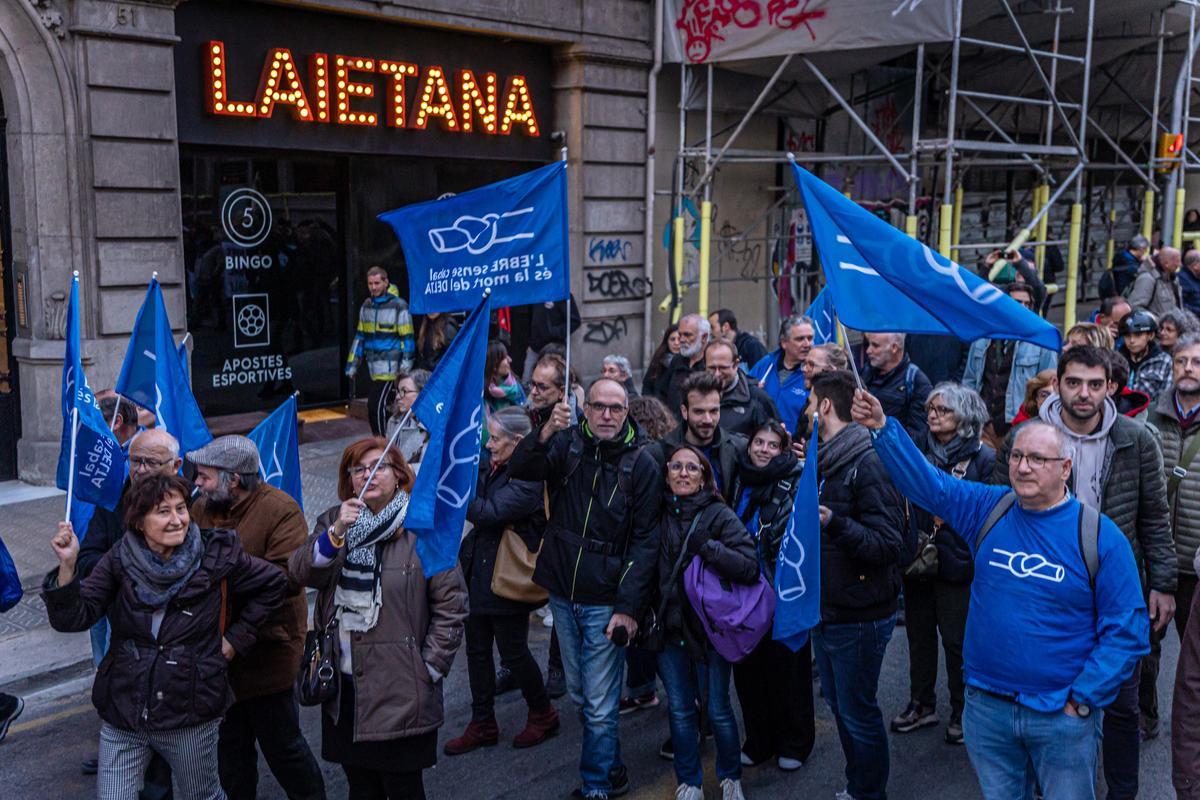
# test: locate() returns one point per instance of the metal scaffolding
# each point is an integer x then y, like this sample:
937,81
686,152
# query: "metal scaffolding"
1078,145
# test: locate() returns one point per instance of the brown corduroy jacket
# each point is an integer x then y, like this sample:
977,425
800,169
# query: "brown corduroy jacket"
270,526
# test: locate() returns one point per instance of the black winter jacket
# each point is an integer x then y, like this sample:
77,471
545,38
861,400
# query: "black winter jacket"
105,530
549,325
601,545
500,502
726,448
178,679
1133,495
668,385
719,539
745,408
862,544
892,390
956,563
765,502
750,350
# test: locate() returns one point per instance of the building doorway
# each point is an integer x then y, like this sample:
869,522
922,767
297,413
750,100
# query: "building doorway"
10,403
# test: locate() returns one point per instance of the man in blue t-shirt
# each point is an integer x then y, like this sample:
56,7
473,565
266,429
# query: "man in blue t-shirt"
1048,645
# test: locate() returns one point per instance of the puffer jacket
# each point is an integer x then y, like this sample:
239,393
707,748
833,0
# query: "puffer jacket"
500,502
1155,291
1185,510
902,396
179,678
956,562
863,544
724,450
745,408
765,502
719,539
601,542
1133,495
420,622
384,337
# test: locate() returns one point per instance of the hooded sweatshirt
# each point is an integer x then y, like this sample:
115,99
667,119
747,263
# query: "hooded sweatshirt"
1088,456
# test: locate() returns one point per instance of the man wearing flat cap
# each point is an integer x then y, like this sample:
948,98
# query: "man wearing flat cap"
271,526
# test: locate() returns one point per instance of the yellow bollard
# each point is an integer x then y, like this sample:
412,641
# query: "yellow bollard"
945,228
1073,265
1177,233
1148,214
1108,246
957,219
705,250
910,225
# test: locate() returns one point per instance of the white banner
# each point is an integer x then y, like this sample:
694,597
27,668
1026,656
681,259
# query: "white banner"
699,31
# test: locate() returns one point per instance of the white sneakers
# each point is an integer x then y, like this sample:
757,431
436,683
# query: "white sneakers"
685,792
789,764
731,790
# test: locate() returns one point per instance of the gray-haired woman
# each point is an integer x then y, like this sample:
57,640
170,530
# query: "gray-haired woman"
501,503
1174,324
936,600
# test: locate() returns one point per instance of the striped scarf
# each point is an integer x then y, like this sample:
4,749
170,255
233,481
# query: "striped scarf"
358,596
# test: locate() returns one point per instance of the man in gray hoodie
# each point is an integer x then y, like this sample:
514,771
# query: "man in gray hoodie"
1118,470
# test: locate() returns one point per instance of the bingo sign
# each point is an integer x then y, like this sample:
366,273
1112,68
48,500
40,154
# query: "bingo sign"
246,217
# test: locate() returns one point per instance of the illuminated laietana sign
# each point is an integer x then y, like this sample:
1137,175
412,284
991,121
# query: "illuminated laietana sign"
341,90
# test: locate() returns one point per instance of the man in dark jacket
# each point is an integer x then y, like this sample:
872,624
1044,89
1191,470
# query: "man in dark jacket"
899,384
1189,281
694,335
1125,267
862,542
270,526
744,406
941,358
701,428
1118,470
548,324
598,558
725,326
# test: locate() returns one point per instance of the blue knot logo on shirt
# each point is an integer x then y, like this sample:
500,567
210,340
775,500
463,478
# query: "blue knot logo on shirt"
1028,565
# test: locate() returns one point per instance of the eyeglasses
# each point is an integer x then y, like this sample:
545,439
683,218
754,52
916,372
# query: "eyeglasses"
939,411
608,409
690,467
362,472
1034,460
407,392
541,388
138,464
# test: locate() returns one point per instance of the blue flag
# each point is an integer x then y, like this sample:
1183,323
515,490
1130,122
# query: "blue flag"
96,473
509,236
822,314
883,280
183,362
154,377
798,569
451,408
278,442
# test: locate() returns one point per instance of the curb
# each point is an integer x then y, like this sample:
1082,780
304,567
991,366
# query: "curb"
48,678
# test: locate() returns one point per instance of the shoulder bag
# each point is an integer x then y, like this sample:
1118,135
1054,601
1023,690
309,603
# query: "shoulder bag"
512,574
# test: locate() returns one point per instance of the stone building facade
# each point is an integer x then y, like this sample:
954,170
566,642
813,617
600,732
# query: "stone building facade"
108,168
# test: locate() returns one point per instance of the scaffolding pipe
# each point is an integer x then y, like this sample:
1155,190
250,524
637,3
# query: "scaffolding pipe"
956,223
1109,246
648,201
1024,234
945,214
914,177
1178,123
706,205
1041,193
1148,199
1077,207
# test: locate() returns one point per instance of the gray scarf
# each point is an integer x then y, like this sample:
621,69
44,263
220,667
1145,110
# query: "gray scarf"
157,580
952,452
358,596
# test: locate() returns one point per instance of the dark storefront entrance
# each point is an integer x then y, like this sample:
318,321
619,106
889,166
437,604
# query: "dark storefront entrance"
279,212
10,402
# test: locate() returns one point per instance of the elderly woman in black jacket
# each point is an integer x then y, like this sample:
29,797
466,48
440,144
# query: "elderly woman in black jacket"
501,503
937,591
696,522
166,587
774,684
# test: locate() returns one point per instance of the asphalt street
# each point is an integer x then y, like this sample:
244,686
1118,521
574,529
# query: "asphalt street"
41,756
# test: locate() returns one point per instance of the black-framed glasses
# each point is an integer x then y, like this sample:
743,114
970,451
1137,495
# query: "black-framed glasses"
362,472
137,464
541,388
1034,460
608,409
939,411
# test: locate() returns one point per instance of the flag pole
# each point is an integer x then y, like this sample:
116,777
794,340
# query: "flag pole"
391,441
849,354
567,315
71,474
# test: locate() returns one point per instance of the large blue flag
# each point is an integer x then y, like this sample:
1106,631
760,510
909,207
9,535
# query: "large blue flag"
798,568
451,408
822,314
883,280
278,442
154,377
96,473
510,237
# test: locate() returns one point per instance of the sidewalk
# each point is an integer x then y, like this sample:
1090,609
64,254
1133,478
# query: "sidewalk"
34,655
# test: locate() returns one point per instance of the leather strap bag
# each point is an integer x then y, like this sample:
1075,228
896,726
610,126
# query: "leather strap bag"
925,565
319,679
512,575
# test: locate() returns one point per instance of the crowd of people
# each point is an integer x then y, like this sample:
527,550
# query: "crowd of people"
1076,467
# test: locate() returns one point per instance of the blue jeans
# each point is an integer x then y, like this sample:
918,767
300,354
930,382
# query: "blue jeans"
849,656
680,676
594,668
1014,748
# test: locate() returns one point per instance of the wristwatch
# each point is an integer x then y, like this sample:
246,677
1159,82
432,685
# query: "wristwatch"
1083,710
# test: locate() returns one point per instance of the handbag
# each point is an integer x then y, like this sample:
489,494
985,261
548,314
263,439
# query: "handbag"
512,575
319,679
735,616
925,565
650,635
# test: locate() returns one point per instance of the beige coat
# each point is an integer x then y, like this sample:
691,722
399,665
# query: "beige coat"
420,622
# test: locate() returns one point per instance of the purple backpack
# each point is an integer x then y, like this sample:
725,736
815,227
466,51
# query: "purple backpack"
735,616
